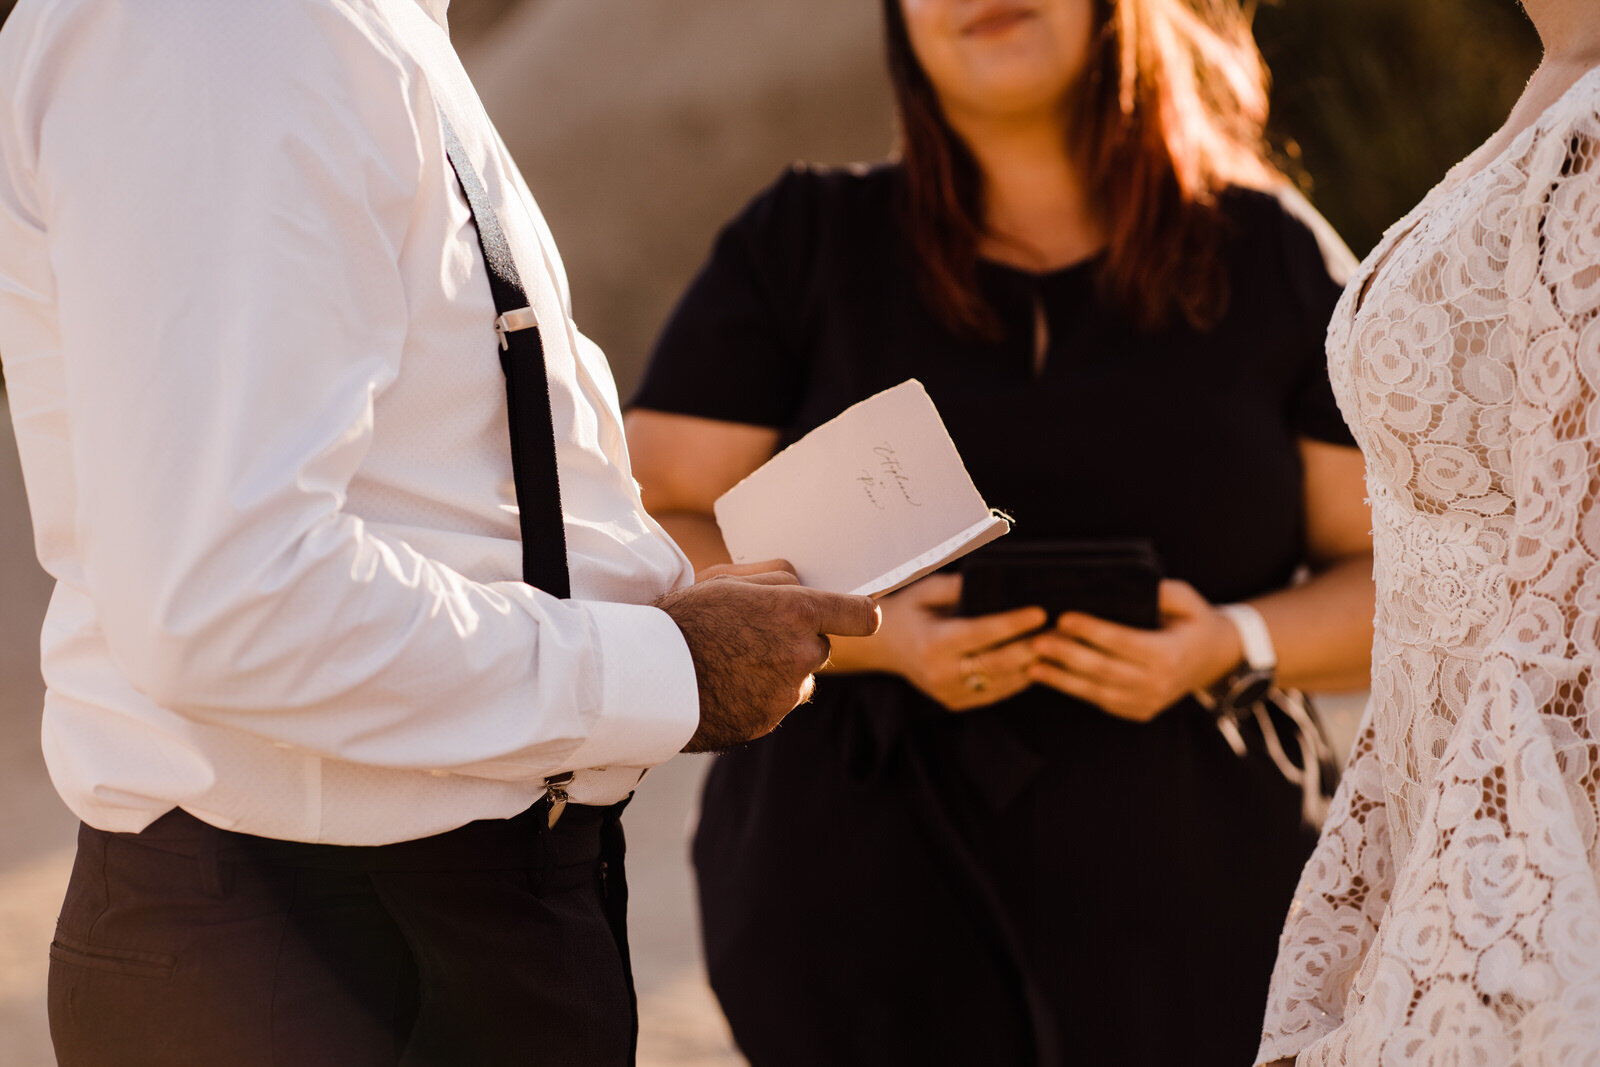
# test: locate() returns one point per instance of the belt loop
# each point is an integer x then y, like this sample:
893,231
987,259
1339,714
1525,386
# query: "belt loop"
210,861
545,842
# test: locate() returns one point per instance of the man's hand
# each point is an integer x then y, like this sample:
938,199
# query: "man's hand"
757,636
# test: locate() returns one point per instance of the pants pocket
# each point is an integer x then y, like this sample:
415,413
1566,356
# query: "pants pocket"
124,961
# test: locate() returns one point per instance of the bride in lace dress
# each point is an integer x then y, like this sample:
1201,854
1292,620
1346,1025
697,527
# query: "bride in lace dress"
1451,911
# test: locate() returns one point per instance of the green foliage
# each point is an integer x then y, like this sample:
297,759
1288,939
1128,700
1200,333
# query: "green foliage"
1374,100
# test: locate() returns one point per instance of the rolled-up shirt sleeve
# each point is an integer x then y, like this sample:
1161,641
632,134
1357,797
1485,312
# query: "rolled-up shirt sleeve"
231,308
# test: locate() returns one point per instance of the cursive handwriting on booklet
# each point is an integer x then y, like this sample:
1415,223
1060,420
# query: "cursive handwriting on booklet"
892,475
857,512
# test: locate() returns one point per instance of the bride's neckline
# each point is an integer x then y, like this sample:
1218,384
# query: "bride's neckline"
1456,178
1481,159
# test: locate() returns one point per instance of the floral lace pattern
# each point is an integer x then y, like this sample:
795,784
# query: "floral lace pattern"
1451,911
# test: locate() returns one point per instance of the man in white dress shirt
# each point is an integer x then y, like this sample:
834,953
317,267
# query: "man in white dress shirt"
251,354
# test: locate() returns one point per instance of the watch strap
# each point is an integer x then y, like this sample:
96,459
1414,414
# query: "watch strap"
1259,653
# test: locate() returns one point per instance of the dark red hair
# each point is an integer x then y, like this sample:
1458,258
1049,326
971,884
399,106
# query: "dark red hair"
1171,111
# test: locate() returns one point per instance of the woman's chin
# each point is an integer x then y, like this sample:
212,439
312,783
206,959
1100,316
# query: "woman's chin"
1012,95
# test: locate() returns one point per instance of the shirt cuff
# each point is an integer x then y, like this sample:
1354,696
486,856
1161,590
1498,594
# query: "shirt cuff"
649,696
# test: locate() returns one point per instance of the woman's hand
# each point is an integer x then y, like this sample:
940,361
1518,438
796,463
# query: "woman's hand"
962,663
1137,674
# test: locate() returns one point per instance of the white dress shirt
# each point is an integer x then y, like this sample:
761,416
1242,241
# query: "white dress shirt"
249,344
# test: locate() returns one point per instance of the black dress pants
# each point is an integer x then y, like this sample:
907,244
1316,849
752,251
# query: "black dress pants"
500,943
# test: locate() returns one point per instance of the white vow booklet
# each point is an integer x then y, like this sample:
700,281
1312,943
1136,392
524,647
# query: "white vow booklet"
865,503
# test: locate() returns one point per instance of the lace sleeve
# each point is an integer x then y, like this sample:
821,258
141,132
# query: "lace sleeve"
1489,950
1336,909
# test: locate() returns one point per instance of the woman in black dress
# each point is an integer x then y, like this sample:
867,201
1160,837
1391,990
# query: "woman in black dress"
1119,311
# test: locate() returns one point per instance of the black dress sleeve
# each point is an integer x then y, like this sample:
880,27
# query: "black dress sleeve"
732,349
1317,264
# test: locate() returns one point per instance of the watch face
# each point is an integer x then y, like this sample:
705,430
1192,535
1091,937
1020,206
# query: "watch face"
1248,688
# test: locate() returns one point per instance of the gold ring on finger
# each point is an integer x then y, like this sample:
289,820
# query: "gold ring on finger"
972,676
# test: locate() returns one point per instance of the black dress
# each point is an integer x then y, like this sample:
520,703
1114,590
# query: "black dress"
885,883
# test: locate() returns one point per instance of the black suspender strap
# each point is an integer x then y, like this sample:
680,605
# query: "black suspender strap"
533,435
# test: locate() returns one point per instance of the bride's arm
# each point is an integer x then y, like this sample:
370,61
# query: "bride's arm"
1337,906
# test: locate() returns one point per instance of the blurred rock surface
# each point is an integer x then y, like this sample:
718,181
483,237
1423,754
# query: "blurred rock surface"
643,125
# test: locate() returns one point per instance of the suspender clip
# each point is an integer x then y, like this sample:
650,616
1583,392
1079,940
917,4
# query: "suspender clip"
512,321
556,787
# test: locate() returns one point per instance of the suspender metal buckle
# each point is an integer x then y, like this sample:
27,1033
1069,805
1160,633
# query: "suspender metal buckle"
512,321
556,786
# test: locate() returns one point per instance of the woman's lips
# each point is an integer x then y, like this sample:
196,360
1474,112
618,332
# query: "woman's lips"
996,21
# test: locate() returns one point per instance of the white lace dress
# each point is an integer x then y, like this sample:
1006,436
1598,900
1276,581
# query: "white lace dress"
1451,911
